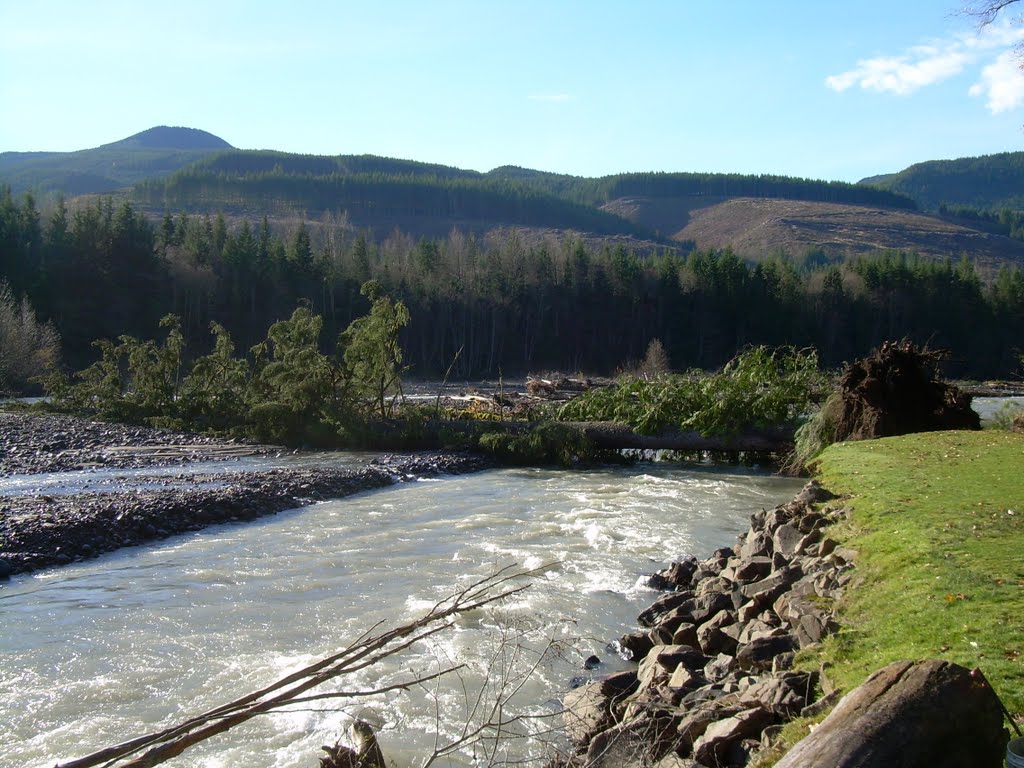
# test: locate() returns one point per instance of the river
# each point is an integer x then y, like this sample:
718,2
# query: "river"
100,651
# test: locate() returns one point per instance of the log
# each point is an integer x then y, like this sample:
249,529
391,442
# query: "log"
607,434
613,436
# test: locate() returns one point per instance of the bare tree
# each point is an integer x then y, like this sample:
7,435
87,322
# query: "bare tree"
28,349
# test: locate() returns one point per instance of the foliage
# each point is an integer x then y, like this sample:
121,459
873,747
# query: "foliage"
938,527
213,395
546,443
371,349
290,392
29,350
759,388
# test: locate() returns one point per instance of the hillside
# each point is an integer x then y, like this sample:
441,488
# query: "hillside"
184,169
150,154
989,182
755,228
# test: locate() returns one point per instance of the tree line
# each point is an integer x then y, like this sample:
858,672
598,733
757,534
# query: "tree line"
486,306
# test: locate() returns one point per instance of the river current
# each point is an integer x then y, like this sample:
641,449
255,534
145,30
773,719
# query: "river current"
98,652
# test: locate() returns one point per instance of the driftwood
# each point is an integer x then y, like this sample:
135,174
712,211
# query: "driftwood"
365,651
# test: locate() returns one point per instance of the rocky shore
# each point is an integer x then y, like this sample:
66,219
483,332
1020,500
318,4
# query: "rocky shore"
36,443
714,678
40,530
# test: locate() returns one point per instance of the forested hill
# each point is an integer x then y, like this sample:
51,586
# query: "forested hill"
100,170
988,183
428,199
374,192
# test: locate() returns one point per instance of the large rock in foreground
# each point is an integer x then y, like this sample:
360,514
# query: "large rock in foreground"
931,714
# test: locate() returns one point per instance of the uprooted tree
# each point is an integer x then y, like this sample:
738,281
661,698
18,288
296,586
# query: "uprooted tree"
896,390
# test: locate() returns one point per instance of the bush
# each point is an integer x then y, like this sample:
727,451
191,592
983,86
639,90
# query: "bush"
29,350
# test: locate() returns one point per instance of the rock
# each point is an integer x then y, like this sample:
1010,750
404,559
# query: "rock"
676,576
783,694
649,616
767,590
672,760
751,569
718,668
930,714
758,654
713,746
587,710
684,677
712,639
635,645
813,493
786,539
685,634
697,720
757,544
662,661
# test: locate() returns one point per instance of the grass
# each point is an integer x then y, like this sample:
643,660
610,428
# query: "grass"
938,526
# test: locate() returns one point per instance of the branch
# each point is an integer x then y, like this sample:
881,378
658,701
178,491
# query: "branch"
367,650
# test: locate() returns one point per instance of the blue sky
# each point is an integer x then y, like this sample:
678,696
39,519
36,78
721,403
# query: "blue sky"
833,90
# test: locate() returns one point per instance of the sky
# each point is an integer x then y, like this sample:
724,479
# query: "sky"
822,89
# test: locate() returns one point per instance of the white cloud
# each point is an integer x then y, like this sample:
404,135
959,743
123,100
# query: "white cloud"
900,74
1002,83
925,65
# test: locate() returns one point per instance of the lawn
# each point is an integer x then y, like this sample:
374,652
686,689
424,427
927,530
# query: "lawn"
938,524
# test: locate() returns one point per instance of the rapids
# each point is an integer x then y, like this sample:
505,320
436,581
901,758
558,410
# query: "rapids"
100,651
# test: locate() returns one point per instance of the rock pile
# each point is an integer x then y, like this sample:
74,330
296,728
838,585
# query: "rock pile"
714,678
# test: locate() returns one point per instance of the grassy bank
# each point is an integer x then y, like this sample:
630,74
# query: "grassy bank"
938,525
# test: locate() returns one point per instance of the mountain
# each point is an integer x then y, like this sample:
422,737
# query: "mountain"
989,182
150,154
185,169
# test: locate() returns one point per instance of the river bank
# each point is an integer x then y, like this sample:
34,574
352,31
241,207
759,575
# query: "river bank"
932,523
39,530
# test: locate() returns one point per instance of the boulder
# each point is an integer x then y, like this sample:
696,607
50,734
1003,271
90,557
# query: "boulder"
767,590
635,645
758,653
930,714
714,744
649,616
662,661
676,576
712,639
587,710
786,539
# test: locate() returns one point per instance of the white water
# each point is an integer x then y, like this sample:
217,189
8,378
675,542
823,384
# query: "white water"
98,652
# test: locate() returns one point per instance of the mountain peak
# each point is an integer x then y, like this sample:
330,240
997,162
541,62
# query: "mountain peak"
168,137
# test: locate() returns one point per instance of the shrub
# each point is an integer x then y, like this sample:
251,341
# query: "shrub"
29,350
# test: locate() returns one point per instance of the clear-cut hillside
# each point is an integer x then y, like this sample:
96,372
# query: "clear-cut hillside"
755,228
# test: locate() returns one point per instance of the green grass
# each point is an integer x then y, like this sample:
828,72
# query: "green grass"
938,524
